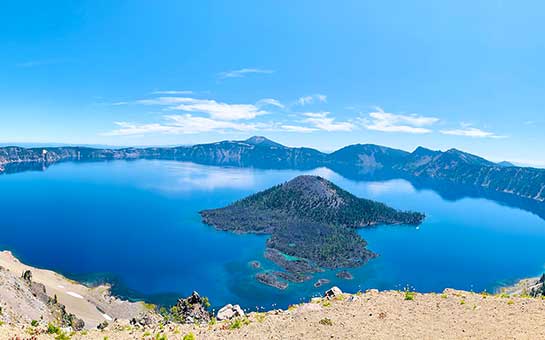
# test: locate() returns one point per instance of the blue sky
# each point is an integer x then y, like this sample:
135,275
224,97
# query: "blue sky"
442,74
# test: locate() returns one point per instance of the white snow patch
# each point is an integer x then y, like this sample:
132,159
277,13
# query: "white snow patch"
76,295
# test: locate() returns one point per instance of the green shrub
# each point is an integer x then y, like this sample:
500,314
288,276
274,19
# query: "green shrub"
52,329
238,323
409,296
34,323
189,336
326,322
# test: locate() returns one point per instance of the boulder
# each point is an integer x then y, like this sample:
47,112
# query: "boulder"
333,293
145,319
103,325
192,309
229,311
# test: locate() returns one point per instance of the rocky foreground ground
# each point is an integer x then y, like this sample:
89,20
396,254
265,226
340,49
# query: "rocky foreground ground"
370,315
40,304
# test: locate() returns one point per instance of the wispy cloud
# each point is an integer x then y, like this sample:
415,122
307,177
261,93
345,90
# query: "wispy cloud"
172,92
271,102
297,128
390,122
471,132
323,121
182,124
305,100
214,109
243,72
42,62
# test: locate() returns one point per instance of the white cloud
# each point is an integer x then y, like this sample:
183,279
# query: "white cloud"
311,99
322,121
270,101
297,128
389,122
171,92
243,72
214,109
182,124
471,132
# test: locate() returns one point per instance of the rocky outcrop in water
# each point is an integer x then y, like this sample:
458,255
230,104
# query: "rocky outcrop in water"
312,225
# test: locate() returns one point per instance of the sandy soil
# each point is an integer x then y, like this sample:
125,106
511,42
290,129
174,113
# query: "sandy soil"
372,315
78,299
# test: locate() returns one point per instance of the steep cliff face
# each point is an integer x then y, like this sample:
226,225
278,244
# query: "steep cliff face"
452,166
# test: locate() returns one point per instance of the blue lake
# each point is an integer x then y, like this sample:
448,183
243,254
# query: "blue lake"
137,224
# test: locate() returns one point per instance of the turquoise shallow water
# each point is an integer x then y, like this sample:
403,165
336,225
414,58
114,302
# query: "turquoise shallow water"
136,224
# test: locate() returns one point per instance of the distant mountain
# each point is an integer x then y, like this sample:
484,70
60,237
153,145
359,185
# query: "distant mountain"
262,141
505,164
369,156
311,219
452,166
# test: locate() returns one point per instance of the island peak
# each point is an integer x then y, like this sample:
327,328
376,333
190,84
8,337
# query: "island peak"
310,220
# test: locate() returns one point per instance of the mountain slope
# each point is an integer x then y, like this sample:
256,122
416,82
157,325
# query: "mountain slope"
452,167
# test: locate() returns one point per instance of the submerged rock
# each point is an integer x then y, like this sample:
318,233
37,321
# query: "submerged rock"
255,264
270,279
345,275
321,282
295,278
229,311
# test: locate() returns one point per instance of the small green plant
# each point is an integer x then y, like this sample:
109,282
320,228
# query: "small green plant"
205,302
52,329
62,336
212,321
326,304
463,302
149,306
34,323
409,296
146,333
510,302
238,323
326,322
292,307
359,293
160,336
504,296
260,317
444,296
189,336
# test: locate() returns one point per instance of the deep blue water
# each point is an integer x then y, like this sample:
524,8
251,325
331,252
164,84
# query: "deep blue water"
136,223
